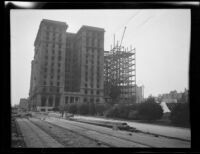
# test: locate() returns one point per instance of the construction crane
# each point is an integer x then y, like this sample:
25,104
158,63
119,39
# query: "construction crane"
122,37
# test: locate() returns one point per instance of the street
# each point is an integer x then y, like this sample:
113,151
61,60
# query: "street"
50,131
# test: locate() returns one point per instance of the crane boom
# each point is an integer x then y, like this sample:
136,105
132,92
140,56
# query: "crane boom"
122,36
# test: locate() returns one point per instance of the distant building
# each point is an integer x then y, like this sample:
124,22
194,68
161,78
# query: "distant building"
23,104
173,96
139,94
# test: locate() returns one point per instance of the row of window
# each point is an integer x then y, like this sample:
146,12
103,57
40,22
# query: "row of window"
51,83
51,71
92,67
92,43
91,85
90,99
52,64
54,34
94,34
53,28
53,46
53,57
51,89
92,92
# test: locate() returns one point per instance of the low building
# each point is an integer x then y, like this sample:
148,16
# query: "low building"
23,104
139,94
172,96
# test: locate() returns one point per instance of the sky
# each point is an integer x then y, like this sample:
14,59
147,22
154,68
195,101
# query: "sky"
161,38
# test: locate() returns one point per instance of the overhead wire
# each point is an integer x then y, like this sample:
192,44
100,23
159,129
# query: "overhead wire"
134,15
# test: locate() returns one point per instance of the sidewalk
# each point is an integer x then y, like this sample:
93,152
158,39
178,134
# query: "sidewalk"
170,131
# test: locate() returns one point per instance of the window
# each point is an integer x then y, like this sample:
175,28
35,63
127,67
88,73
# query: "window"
51,83
60,47
58,83
45,70
91,100
59,52
97,92
46,63
85,99
58,77
44,83
59,57
85,91
44,89
97,85
97,100
86,85
91,91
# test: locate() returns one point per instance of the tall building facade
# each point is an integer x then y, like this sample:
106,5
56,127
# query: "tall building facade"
67,67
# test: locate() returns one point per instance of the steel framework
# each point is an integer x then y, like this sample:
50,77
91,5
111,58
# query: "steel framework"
120,71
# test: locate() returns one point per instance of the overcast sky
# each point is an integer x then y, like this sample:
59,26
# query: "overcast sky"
161,38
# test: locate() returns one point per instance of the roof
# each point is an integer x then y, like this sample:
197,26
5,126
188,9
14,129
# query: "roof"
84,27
58,23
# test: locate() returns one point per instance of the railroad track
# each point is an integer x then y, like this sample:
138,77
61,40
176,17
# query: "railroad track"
97,141
112,138
92,138
34,136
117,138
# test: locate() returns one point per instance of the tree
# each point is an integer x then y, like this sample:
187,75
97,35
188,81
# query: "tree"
183,99
180,114
114,93
123,111
83,108
113,111
92,110
72,108
150,110
100,108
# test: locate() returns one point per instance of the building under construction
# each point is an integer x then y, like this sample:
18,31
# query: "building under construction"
120,72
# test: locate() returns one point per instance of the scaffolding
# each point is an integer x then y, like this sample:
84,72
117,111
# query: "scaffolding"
120,71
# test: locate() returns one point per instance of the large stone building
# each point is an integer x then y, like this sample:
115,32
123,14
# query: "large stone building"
67,67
